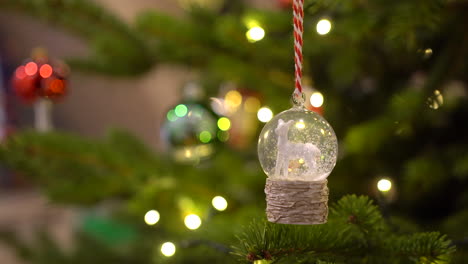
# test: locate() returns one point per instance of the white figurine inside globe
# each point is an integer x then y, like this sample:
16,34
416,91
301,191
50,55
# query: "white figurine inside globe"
297,144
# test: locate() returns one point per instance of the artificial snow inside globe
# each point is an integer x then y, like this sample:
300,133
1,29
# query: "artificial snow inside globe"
297,144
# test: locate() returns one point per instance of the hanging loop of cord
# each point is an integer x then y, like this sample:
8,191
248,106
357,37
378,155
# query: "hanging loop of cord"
298,13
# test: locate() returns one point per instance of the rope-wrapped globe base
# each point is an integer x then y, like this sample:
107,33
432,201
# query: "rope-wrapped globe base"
296,202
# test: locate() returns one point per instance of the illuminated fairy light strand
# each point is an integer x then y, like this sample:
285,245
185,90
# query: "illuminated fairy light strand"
298,12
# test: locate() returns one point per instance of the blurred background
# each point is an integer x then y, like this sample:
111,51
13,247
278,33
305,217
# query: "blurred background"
160,104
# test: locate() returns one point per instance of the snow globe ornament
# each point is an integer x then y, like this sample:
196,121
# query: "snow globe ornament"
297,150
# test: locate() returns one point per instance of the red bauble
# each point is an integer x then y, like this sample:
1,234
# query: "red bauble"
40,78
53,88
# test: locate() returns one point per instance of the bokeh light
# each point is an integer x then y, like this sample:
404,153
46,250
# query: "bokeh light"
223,136
264,114
233,100
30,68
168,249
316,99
152,217
224,123
171,116
20,72
384,185
205,136
255,34
251,105
181,110
323,26
45,71
300,124
219,203
192,221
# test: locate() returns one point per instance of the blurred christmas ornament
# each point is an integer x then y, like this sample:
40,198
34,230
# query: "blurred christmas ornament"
41,80
297,150
190,128
240,106
40,77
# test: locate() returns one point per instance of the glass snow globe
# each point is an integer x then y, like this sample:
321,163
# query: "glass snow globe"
297,145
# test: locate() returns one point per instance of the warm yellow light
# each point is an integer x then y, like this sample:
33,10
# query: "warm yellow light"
300,124
192,221
252,104
168,249
264,114
219,203
233,100
255,34
224,123
436,101
384,185
316,99
427,53
323,26
152,217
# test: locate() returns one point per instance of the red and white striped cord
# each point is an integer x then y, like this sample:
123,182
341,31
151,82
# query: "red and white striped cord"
298,12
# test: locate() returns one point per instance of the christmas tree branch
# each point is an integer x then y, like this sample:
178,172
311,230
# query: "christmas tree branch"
355,231
118,49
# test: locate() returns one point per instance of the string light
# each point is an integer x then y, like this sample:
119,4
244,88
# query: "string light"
205,136
45,71
223,136
192,221
168,249
255,34
427,53
224,123
436,100
30,68
300,124
323,26
171,115
264,114
316,99
384,185
181,110
219,203
232,100
252,104
152,217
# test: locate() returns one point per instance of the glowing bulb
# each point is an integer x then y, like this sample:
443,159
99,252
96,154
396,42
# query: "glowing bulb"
152,217
264,114
223,136
316,99
168,249
192,221
45,71
300,124
219,203
171,115
323,26
255,34
205,136
224,123
181,110
233,100
251,105
30,68
384,185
